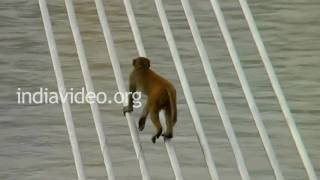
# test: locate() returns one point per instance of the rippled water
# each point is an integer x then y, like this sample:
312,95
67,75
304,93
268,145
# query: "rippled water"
33,138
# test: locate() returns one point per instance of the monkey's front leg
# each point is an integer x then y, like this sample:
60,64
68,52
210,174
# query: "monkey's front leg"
127,109
143,117
132,89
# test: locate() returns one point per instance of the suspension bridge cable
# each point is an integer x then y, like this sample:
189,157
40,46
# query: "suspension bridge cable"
215,90
141,50
61,86
247,91
278,91
187,92
89,86
119,79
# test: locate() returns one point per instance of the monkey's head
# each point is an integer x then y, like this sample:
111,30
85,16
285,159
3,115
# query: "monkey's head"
141,63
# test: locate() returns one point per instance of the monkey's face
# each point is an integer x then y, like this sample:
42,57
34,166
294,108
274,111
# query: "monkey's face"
141,63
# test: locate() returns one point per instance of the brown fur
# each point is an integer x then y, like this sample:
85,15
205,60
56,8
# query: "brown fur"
161,96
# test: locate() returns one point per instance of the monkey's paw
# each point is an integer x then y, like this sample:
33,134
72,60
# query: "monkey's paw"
127,109
153,139
167,135
141,124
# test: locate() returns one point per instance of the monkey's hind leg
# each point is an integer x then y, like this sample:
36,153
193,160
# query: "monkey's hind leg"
154,116
143,117
168,134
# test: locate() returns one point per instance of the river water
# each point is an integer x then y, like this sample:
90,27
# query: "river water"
34,142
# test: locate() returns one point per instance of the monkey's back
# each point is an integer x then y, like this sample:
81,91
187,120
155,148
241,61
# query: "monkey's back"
152,84
158,88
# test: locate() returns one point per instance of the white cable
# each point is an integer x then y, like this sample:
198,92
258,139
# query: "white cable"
121,87
134,28
60,82
215,90
185,86
278,91
247,91
138,40
89,86
172,153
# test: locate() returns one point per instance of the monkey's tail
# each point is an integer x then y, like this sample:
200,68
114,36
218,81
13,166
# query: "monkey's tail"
173,105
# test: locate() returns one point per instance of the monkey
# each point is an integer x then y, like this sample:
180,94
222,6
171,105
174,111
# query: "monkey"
161,95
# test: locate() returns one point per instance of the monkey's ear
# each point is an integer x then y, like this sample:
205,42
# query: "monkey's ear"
147,64
134,62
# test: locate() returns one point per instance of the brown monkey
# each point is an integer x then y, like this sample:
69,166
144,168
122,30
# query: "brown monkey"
161,96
